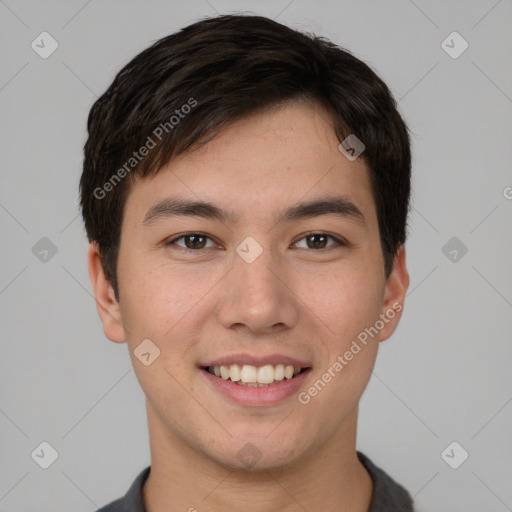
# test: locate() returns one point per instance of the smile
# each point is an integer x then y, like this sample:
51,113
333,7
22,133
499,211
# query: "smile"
248,391
254,376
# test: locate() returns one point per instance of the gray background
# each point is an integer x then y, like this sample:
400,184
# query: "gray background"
445,374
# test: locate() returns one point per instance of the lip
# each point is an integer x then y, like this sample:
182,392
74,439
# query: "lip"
273,359
250,396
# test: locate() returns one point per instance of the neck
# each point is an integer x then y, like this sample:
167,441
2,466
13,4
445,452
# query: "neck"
328,477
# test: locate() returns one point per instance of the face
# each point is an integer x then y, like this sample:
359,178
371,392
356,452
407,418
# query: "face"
248,284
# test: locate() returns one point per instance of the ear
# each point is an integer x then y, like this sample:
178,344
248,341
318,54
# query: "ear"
394,295
106,303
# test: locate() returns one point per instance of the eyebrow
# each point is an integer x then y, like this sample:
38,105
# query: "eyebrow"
174,207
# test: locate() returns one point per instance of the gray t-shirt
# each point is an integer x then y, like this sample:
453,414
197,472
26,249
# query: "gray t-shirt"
388,495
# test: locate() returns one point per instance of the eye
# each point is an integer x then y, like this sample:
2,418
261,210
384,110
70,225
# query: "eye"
192,241
319,241
197,241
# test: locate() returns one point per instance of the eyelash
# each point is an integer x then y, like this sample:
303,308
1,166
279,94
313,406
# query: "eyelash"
339,242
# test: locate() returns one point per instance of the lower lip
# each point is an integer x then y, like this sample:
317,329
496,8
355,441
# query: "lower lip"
257,397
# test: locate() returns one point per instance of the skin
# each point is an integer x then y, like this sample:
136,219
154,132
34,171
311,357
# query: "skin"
294,299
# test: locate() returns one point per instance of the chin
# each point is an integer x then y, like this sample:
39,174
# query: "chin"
261,465
259,453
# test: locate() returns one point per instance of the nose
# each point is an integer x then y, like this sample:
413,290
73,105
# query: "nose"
259,296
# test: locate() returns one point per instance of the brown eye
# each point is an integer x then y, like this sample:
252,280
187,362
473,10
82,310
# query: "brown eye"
196,241
320,241
192,241
317,241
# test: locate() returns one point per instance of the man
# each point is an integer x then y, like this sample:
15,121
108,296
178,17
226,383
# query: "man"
245,191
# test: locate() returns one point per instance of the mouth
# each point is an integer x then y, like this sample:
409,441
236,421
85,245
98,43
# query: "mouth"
256,376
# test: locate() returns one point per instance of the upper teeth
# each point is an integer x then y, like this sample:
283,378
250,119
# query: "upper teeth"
248,373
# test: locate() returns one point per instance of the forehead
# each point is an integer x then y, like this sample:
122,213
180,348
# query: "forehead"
270,159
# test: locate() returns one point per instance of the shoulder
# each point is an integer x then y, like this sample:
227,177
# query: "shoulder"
114,506
388,495
132,500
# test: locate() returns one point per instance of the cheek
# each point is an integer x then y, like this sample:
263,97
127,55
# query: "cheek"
346,301
164,305
160,309
154,298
